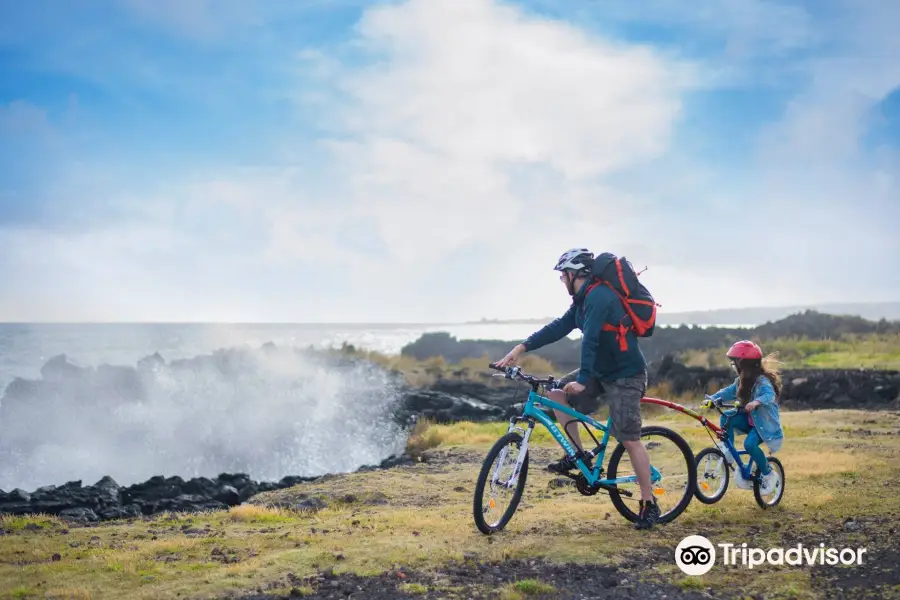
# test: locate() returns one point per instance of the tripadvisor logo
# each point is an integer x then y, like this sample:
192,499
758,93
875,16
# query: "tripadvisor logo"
696,555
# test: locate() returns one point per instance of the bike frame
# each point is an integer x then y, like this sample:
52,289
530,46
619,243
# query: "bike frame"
684,409
532,413
719,432
745,468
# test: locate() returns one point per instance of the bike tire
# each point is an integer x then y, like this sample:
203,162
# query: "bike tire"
484,474
775,464
690,463
712,499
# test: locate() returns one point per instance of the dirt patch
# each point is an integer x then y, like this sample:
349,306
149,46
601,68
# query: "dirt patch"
538,455
534,578
453,456
879,574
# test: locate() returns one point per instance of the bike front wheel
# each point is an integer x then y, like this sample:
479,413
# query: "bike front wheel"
712,475
493,491
672,457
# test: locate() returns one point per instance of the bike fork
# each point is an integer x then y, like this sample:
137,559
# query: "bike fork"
523,452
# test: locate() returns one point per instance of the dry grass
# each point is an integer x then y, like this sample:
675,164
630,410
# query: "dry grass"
251,513
68,593
420,516
14,523
424,436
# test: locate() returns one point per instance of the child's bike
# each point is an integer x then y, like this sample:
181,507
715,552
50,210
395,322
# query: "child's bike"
673,471
714,466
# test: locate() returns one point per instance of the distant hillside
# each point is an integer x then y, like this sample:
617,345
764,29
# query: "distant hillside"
838,341
874,311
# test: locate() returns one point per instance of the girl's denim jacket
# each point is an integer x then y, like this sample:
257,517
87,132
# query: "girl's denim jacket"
766,417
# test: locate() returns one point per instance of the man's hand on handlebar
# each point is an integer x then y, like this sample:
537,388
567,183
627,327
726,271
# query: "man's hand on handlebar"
511,358
509,372
516,373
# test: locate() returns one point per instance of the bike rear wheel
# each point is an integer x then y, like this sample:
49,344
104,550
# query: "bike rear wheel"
496,471
669,454
772,499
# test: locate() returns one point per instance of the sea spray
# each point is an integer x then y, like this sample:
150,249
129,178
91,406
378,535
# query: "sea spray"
270,413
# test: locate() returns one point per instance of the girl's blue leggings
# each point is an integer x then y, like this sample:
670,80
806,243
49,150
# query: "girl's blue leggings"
752,442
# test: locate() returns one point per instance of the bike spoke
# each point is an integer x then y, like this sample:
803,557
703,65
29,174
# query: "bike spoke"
711,475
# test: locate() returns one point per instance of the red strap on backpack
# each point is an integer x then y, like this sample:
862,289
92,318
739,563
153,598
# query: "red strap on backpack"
620,330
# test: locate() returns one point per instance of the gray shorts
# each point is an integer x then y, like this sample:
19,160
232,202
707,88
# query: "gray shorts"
623,397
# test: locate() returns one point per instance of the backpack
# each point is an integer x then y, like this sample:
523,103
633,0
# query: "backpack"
640,307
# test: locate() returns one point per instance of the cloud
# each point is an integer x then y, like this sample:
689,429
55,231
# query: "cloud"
459,101
485,82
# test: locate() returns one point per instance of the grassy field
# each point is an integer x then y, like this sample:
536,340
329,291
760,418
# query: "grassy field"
402,529
849,352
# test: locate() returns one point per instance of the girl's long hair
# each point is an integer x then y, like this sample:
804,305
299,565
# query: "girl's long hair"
752,369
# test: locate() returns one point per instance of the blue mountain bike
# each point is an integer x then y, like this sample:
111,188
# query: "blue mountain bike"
673,470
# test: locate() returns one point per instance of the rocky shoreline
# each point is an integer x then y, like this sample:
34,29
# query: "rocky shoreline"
106,500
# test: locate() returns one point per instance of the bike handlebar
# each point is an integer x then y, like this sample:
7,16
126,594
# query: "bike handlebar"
715,402
516,373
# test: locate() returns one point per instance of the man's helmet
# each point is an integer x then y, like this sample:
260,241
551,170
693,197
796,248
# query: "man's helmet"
575,259
744,349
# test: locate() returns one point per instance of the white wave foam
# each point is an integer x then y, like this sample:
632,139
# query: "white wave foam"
266,413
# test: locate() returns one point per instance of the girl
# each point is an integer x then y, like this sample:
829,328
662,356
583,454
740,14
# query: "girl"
757,387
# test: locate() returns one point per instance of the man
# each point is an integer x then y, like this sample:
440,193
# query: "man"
620,376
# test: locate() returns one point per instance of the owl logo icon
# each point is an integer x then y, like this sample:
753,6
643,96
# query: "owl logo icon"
695,555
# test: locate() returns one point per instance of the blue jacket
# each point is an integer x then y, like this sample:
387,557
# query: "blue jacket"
766,416
601,357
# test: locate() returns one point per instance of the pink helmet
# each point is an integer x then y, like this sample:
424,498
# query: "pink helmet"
745,349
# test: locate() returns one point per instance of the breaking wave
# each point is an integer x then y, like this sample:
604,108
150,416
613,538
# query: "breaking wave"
269,413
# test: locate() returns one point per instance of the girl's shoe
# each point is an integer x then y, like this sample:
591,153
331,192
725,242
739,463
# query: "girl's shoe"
744,484
767,483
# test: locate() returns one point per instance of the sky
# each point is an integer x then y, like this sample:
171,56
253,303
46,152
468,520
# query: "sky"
429,160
